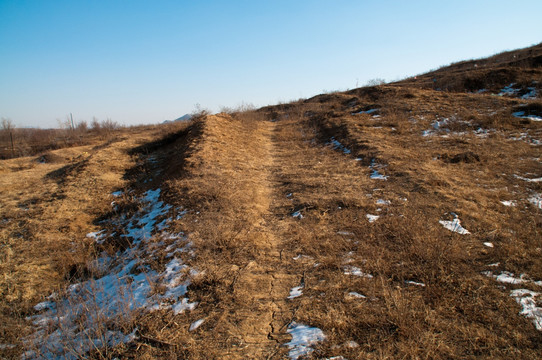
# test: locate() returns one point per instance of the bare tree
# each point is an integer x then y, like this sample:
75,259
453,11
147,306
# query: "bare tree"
7,124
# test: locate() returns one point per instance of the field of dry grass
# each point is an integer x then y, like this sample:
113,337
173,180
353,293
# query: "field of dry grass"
394,221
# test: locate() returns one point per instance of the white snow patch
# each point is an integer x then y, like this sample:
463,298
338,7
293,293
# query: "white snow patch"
45,305
489,244
528,179
508,202
410,282
536,200
370,111
297,214
530,309
508,90
372,218
296,292
196,324
351,344
375,175
79,319
355,271
454,226
183,305
383,202
338,146
303,337
507,277
521,115
511,91
98,236
528,299
302,257
345,233
437,127
483,133
356,295
116,193
527,138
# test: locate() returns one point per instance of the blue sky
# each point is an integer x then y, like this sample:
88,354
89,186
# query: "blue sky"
147,61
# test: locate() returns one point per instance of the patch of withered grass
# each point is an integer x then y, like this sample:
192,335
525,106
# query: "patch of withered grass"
426,295
48,208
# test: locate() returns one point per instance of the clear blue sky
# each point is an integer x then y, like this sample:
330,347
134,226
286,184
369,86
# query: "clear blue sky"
147,61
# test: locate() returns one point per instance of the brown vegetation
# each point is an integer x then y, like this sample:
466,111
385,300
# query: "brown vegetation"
340,194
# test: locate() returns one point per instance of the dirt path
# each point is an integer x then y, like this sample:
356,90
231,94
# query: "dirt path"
265,279
236,163
257,174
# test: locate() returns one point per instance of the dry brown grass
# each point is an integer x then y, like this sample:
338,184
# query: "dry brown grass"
241,177
460,312
49,204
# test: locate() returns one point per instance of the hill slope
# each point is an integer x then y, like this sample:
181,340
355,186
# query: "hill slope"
396,221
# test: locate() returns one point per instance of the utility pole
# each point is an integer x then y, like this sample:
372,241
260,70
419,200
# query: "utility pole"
71,117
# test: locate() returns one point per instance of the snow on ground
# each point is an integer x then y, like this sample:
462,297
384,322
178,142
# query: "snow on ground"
521,114
511,91
303,337
372,218
532,94
509,278
196,324
98,236
508,202
370,111
302,257
527,138
297,214
356,295
437,127
536,200
454,226
528,300
488,244
410,282
355,271
91,312
528,179
483,133
375,175
508,90
338,146
296,292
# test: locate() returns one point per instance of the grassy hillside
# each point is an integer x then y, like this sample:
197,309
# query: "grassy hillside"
394,221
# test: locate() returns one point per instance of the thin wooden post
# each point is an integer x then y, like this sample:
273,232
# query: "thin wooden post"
12,147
